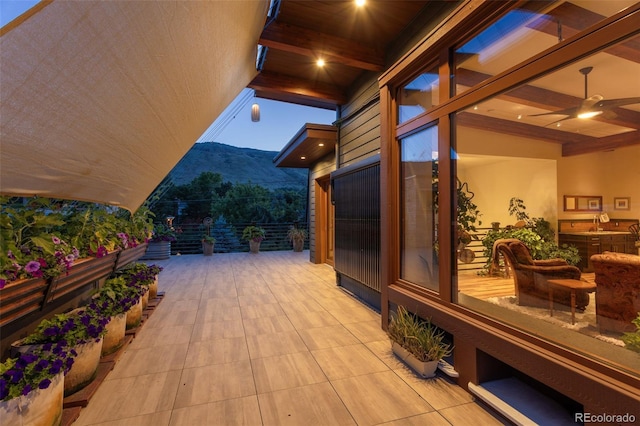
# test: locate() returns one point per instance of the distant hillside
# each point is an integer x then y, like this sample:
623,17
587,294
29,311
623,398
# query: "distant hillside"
236,165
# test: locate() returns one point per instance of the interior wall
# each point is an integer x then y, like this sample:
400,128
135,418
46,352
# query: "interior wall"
610,174
498,167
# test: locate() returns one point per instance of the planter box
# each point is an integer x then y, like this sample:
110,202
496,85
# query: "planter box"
82,273
20,298
128,256
424,369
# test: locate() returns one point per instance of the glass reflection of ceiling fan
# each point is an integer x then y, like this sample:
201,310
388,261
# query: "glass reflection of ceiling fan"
591,106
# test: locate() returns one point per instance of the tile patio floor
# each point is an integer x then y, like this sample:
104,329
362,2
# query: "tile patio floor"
267,339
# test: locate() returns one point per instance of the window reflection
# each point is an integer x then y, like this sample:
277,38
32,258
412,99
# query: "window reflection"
419,95
419,257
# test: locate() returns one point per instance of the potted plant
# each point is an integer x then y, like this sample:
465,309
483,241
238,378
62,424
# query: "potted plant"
417,342
82,330
32,385
255,235
297,236
207,245
159,246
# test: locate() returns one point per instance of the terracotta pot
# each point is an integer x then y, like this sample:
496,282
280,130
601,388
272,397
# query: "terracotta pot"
298,245
153,289
207,249
84,367
114,338
40,407
254,246
134,315
424,369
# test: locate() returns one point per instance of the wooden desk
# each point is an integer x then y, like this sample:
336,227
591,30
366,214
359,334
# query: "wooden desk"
573,285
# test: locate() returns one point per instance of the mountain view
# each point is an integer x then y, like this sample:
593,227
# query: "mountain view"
236,165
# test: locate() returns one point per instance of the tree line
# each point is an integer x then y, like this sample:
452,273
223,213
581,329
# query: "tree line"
208,195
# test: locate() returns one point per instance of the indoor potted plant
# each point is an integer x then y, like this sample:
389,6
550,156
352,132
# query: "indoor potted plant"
207,245
417,342
32,385
255,235
297,236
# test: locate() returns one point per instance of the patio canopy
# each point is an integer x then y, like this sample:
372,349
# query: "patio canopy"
100,99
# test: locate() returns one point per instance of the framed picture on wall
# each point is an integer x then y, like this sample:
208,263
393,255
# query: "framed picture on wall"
622,203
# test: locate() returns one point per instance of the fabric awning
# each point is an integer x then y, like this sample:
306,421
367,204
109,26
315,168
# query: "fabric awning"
100,99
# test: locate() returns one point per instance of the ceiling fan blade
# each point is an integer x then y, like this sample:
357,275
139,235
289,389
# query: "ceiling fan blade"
568,111
614,103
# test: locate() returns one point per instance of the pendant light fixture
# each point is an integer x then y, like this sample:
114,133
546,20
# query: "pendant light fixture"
255,110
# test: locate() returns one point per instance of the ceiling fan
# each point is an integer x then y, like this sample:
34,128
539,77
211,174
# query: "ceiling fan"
591,106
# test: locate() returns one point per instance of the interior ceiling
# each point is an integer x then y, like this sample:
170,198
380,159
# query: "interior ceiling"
353,41
100,99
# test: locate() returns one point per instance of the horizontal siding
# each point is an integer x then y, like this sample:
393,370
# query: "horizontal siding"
359,135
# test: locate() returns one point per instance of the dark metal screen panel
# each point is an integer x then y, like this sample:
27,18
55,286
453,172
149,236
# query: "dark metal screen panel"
356,195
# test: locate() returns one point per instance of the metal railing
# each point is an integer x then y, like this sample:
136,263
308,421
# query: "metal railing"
229,237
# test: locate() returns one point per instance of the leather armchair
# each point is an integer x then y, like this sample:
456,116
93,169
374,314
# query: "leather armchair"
530,276
618,290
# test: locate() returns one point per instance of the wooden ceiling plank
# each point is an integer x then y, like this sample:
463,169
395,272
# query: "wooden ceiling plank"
303,41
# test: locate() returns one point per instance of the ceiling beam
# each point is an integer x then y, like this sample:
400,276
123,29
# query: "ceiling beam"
491,124
274,85
572,143
547,99
608,143
294,39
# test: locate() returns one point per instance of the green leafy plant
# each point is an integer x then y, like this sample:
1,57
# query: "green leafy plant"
419,337
632,340
296,234
208,239
253,233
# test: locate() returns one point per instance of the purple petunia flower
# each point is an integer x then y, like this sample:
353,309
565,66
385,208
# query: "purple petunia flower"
26,389
3,282
32,266
44,384
14,376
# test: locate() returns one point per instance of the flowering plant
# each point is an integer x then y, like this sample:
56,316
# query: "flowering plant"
74,328
34,370
253,233
163,233
140,275
114,298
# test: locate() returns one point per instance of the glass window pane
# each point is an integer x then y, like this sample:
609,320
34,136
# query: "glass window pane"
521,152
419,95
524,32
419,256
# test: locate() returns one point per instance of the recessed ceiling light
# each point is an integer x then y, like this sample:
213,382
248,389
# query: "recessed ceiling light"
303,158
360,3
519,116
320,144
320,62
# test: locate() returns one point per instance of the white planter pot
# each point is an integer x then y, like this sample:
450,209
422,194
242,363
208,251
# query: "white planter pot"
424,369
84,366
153,289
41,407
114,337
134,315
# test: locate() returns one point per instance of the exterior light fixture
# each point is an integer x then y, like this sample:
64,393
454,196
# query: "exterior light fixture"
320,62
255,110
